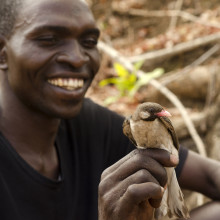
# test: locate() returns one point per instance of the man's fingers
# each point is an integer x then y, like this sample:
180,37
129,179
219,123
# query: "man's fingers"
155,203
115,166
138,160
162,156
138,193
137,167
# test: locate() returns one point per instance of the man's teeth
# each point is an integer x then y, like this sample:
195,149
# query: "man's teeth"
69,84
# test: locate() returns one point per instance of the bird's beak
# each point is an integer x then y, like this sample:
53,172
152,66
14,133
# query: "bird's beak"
163,113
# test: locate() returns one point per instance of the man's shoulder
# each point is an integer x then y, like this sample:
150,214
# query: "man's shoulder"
93,115
97,112
90,106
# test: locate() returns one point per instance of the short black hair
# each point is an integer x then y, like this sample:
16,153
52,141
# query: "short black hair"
8,14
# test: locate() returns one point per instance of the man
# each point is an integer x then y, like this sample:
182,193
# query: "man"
54,144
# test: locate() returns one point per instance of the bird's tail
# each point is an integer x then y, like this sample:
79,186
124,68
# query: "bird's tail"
172,204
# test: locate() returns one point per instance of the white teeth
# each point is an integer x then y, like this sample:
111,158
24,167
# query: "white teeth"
69,84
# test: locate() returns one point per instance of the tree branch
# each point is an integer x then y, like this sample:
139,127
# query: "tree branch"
197,62
174,19
169,13
177,49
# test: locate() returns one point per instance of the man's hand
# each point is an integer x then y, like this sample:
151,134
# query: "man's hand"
131,188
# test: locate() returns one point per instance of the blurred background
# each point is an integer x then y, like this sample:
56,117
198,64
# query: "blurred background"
164,51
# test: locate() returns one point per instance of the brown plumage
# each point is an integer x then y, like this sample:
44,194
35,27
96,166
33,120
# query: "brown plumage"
150,127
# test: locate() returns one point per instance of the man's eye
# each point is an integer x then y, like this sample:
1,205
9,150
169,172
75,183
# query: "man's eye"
48,40
90,42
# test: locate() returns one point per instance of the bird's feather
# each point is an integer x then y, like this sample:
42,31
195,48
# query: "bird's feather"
166,121
127,130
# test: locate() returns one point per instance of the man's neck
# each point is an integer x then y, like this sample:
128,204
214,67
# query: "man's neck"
33,136
33,131
26,128
34,140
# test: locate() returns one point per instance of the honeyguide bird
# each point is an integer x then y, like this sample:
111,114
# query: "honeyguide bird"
150,127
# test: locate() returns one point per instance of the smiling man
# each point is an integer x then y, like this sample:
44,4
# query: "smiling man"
55,144
47,39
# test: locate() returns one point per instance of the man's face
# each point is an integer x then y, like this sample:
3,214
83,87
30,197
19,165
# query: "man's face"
52,56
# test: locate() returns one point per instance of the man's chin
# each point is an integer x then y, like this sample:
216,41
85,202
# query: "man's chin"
66,112
72,112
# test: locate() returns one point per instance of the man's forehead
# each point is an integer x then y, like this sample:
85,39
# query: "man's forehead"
31,7
60,12
34,2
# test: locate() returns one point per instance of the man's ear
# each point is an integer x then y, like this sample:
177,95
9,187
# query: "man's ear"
3,55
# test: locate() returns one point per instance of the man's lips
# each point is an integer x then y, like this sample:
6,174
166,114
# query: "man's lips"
67,83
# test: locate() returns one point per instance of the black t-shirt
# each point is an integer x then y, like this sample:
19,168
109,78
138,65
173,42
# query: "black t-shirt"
86,145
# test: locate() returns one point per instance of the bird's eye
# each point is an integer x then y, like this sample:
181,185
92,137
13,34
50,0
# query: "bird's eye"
151,110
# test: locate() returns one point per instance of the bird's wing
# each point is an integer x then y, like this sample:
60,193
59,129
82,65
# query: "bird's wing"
166,121
127,130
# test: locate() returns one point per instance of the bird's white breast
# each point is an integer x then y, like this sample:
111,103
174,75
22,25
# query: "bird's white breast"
152,134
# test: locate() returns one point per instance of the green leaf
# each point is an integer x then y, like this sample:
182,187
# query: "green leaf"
108,81
120,70
127,83
110,100
132,78
138,65
145,78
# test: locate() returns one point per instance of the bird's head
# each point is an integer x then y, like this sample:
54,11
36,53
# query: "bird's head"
149,111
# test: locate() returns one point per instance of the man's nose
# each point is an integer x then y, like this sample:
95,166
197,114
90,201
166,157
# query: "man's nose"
73,55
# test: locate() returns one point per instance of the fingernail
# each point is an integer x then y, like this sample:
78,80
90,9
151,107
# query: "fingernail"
174,159
165,187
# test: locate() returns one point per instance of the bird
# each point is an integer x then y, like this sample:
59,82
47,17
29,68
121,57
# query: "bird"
150,127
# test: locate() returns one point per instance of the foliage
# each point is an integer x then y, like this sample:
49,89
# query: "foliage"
127,82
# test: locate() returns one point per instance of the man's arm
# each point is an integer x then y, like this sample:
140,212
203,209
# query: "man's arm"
202,175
